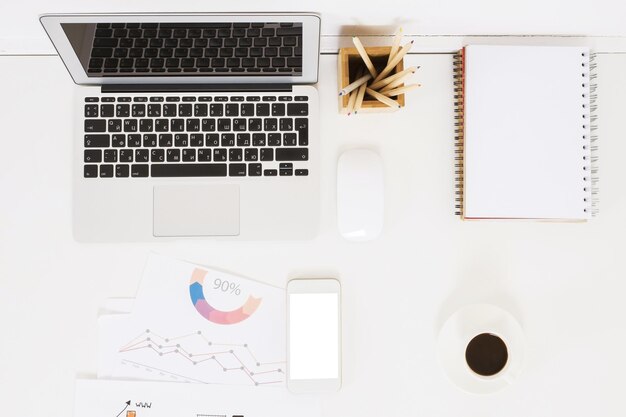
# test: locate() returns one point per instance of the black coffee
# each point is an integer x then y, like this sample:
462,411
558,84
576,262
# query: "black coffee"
486,354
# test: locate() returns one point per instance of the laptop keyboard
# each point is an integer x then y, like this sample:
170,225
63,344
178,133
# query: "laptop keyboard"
196,136
201,48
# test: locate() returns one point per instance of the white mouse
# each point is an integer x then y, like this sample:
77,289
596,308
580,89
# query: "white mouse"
360,195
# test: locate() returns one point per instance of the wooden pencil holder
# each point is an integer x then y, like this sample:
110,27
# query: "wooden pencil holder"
349,63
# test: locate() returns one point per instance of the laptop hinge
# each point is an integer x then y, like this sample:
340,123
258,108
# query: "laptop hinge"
195,88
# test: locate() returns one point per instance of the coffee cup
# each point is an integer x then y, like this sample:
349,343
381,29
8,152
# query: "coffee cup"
481,348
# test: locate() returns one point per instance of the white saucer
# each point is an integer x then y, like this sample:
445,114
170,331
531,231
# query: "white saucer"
463,326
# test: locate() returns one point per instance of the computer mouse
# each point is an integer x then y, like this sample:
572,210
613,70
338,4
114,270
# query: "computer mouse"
360,195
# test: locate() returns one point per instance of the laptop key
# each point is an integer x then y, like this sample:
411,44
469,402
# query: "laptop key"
208,125
177,125
165,140
212,139
126,155
270,173
104,33
232,110
196,140
219,155
93,155
161,125
189,155
122,110
243,139
289,31
302,127
102,52
278,109
142,155
217,110
302,172
235,155
290,139
121,171
255,170
204,155
149,140
95,125
292,154
139,170
130,125
110,155
173,155
255,125
267,154
237,170
270,124
90,171
240,125
118,141
258,139
181,140
157,155
200,110
91,110
184,110
247,109
251,154
146,125
286,124
106,171
297,109
188,170
223,125
97,141
134,141
262,109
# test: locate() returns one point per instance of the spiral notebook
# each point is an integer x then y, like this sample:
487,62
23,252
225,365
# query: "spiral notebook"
525,133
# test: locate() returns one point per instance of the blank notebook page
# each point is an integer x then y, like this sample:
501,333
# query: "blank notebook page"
525,132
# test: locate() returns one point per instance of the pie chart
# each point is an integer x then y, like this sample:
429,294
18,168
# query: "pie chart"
212,314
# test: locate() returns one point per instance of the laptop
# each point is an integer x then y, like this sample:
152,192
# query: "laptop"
193,125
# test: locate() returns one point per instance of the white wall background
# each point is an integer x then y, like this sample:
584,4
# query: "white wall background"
20,31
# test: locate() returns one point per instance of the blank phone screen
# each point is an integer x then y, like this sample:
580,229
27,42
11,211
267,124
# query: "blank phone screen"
314,336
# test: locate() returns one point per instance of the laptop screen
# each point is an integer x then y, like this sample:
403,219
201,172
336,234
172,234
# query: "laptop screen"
207,49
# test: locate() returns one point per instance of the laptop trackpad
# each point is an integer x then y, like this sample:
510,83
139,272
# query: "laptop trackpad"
196,210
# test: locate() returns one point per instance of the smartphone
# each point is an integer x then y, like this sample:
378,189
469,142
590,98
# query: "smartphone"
313,335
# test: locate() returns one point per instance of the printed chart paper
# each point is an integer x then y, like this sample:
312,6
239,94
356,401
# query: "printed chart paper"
193,324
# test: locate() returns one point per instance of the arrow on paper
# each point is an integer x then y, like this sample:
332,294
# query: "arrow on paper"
120,413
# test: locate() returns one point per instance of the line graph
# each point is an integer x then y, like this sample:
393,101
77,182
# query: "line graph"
196,349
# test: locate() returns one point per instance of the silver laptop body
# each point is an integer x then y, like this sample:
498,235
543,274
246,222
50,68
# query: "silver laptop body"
193,125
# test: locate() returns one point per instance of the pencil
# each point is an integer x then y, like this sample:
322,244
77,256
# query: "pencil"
396,45
401,90
353,94
397,83
394,77
359,98
397,58
356,84
364,56
382,99
351,102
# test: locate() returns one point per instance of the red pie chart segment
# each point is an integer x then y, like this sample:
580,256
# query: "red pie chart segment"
211,313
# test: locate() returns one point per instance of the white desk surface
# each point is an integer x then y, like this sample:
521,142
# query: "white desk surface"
565,283
20,31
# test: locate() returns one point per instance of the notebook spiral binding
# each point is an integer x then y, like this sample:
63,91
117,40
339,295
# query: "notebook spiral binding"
590,138
459,132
